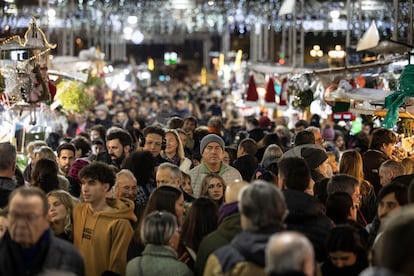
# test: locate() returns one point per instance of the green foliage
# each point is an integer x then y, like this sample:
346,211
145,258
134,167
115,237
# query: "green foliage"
73,96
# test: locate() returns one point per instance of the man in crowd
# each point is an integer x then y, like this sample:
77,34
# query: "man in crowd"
29,246
212,151
65,157
168,174
246,162
7,169
389,170
154,138
102,226
262,212
190,124
306,214
289,253
125,185
118,144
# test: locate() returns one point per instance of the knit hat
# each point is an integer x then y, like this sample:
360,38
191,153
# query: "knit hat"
314,157
209,139
328,133
78,164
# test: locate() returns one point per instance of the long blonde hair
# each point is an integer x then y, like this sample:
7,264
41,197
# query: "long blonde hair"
69,202
351,164
180,147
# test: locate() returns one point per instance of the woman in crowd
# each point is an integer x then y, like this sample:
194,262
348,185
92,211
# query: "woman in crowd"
213,187
160,235
174,151
272,153
230,154
186,184
61,205
347,254
164,198
200,221
351,164
45,175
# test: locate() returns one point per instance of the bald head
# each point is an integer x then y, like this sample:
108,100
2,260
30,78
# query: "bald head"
289,252
233,190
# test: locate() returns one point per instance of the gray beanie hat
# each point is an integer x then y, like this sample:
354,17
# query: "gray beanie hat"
211,138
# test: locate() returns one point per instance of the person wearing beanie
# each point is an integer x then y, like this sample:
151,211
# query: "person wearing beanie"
212,152
328,133
317,161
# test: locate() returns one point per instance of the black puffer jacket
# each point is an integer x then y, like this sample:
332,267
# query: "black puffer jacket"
307,216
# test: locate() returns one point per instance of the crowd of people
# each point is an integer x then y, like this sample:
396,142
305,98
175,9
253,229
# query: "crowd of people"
169,185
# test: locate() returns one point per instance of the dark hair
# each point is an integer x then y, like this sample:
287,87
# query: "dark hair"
249,146
344,238
8,156
83,144
200,221
45,175
381,136
98,171
163,199
100,129
141,164
338,206
154,130
232,153
66,146
122,135
191,118
301,123
342,183
295,172
304,137
400,191
175,122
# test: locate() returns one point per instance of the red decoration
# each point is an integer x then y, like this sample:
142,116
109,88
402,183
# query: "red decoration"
270,92
52,90
283,93
252,95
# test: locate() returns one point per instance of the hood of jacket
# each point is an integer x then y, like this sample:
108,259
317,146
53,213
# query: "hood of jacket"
302,206
252,244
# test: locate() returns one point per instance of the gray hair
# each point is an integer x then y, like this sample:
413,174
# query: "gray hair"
342,183
126,173
174,169
287,251
158,228
8,156
263,204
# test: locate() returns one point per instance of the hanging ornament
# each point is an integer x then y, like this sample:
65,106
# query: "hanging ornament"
303,99
270,94
252,95
283,98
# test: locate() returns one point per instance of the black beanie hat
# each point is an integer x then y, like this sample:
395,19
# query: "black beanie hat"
314,157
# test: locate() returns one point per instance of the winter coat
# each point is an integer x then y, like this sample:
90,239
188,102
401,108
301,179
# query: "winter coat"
245,255
157,260
307,216
226,231
103,237
372,160
48,254
7,185
198,173
246,165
